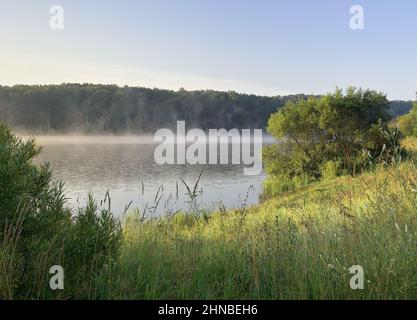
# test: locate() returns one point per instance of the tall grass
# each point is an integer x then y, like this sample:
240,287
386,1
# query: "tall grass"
299,245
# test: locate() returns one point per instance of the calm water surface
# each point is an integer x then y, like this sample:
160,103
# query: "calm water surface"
125,166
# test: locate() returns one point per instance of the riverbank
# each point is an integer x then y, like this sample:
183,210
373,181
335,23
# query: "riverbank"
298,246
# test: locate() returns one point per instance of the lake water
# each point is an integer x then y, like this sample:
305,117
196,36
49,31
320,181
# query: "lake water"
125,166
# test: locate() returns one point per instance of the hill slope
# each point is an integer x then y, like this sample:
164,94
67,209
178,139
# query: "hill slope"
298,246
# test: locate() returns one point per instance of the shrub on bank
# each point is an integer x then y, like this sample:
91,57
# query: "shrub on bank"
37,231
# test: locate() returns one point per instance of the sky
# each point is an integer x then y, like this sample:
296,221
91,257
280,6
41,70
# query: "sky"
264,47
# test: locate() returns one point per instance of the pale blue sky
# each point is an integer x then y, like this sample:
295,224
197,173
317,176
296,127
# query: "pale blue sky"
263,47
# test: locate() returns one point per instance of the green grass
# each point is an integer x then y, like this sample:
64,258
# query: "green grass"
297,246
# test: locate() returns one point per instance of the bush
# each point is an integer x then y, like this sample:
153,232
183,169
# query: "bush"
37,231
91,248
323,137
392,150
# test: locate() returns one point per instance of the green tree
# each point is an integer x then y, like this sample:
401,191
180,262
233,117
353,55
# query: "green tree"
337,133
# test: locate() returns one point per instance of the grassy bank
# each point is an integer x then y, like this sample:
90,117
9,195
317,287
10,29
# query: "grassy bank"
298,246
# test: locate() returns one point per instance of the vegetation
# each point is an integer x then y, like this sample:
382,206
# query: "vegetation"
298,246
91,109
398,108
328,217
408,122
111,109
37,231
329,136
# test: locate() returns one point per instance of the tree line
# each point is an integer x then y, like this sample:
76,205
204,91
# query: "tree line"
89,108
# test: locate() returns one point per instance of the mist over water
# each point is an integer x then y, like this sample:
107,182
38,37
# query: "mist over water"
121,164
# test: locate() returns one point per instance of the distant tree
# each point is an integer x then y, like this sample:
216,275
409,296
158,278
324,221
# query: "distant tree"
89,108
399,108
111,109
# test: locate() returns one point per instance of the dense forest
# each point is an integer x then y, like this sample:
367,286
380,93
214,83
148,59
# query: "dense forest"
88,108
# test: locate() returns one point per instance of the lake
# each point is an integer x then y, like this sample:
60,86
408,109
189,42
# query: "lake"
125,167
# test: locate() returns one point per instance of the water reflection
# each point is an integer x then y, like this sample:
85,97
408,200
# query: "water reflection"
123,165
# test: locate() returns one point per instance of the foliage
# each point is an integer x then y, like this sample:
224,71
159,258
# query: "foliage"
392,149
408,122
37,231
398,108
330,170
410,144
88,108
275,185
296,246
111,109
314,134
